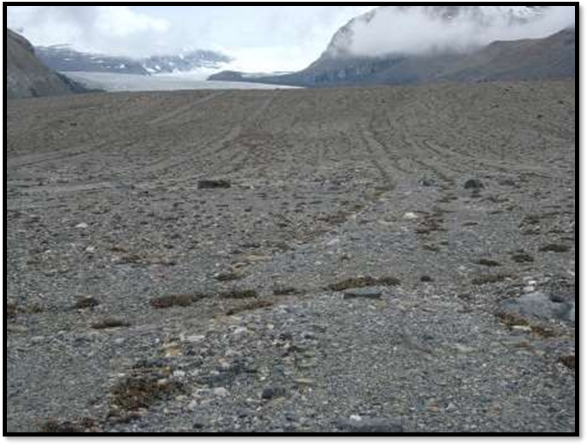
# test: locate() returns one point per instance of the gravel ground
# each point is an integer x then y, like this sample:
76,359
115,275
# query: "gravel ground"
367,260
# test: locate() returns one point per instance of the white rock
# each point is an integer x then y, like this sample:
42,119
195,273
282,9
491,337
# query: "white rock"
179,374
195,338
82,226
240,330
193,405
333,242
220,392
410,215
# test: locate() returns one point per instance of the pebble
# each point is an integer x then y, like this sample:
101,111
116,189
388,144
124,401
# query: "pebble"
220,392
410,216
82,226
373,293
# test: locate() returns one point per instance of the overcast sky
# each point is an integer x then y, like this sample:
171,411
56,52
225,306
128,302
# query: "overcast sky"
262,38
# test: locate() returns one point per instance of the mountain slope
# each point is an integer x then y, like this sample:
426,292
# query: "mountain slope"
441,53
550,58
26,76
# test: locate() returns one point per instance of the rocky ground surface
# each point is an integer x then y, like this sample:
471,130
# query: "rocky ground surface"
367,260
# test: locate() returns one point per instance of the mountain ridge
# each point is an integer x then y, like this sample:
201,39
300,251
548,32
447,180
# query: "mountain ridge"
27,76
65,58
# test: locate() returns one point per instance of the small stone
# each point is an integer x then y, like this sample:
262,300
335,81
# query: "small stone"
427,183
195,338
193,405
463,349
370,425
179,374
220,392
333,242
304,381
569,361
474,184
570,315
172,350
240,330
271,393
198,424
214,184
410,216
86,302
82,226
373,293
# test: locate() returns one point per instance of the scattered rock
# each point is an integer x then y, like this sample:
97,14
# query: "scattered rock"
250,306
508,182
220,392
272,393
569,361
474,184
427,183
110,323
199,423
522,258
83,425
214,184
555,248
488,263
239,294
171,301
229,276
538,305
304,381
195,338
357,424
279,291
359,282
11,310
571,314
364,292
135,393
86,302
490,279
410,216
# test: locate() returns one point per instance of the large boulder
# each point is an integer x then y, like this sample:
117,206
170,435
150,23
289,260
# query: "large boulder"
540,306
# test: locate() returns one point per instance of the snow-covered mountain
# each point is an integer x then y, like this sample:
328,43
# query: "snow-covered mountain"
420,29
65,58
418,44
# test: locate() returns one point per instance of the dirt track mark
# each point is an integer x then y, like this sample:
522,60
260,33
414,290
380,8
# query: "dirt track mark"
185,109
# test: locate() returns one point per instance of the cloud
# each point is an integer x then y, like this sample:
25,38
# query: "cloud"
116,30
418,30
261,38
